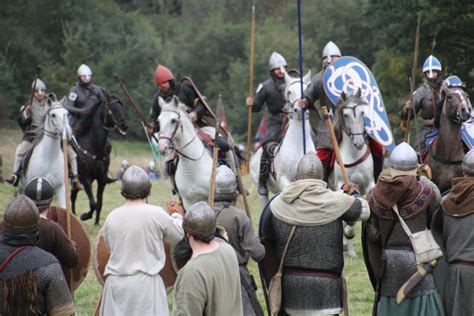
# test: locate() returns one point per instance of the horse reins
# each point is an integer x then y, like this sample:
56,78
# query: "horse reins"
172,137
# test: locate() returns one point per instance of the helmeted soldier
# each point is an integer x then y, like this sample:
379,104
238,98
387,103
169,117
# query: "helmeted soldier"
52,237
240,236
209,283
312,280
147,226
454,221
426,99
416,199
270,92
315,92
31,121
32,282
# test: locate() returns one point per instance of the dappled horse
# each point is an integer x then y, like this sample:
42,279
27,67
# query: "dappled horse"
446,152
291,150
93,157
178,135
47,158
353,144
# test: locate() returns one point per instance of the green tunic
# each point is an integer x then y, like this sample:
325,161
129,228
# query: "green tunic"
209,285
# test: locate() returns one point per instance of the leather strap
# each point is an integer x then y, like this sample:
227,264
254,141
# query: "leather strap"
360,160
10,257
280,267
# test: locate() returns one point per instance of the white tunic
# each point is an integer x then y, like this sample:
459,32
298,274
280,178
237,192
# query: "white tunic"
134,234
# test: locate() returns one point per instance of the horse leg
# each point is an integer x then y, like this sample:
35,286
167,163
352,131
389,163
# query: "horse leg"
349,231
73,200
100,194
92,204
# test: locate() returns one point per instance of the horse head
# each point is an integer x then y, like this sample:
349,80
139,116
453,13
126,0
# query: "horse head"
457,106
57,117
292,92
172,119
114,116
350,118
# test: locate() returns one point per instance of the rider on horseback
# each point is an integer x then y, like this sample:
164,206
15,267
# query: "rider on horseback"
271,93
315,92
31,121
426,98
187,94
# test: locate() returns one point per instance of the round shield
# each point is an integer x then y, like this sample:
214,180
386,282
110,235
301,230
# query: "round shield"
79,236
348,74
102,254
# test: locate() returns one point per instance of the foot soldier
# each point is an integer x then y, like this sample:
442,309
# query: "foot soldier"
270,93
209,283
134,234
416,199
31,121
316,92
426,99
31,279
312,282
456,219
240,236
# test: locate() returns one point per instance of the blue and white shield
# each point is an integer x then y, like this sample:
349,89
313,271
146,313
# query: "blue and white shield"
348,74
467,133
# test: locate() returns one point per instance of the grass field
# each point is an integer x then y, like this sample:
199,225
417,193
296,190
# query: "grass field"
359,288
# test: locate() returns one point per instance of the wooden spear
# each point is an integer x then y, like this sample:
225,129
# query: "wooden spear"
248,148
215,153
68,202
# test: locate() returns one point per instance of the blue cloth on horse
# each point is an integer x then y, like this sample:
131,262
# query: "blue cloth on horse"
430,137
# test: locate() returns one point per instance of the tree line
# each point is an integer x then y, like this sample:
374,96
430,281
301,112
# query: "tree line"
209,41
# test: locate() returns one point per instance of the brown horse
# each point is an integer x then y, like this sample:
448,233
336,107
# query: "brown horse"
446,152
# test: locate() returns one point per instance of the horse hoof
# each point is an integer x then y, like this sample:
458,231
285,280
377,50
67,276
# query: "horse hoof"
86,216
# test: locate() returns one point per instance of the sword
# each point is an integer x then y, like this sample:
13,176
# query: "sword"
422,271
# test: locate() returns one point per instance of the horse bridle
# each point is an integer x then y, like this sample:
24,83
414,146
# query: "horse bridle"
457,120
54,135
108,111
290,104
172,137
344,128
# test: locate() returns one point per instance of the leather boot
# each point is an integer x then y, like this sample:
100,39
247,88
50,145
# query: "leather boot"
264,173
76,184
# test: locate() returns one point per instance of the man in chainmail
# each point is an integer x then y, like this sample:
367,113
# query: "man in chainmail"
134,234
417,199
32,282
312,270
209,283
31,121
426,99
240,236
270,92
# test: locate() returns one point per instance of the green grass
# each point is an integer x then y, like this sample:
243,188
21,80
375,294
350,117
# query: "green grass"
360,291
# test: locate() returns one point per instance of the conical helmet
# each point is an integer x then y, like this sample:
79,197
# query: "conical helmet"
468,163
404,158
431,64
226,184
452,82
84,70
310,167
276,61
200,221
135,183
162,74
329,50
41,191
39,85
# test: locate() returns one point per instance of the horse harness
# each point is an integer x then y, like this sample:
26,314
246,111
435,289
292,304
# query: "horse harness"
172,137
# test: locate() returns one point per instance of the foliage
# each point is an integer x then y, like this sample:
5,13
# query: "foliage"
209,40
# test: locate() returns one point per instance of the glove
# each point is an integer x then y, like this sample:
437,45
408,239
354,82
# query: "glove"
351,189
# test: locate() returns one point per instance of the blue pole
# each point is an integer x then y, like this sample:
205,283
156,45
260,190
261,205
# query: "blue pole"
300,42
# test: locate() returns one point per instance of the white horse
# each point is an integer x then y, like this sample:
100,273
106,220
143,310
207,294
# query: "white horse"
47,158
291,150
177,133
355,152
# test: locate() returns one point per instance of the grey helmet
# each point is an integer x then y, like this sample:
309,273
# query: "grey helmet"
200,221
329,50
84,70
135,183
21,217
403,160
41,191
468,163
310,167
226,184
39,85
276,61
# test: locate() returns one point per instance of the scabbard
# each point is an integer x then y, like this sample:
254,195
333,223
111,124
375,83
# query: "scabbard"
422,271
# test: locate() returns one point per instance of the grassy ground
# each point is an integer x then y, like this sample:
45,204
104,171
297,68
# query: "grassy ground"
359,288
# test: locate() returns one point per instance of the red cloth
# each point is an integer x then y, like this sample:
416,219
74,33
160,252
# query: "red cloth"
327,157
375,148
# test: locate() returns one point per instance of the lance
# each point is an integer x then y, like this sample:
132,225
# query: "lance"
300,44
248,149
413,75
215,153
133,103
33,89
68,202
335,145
